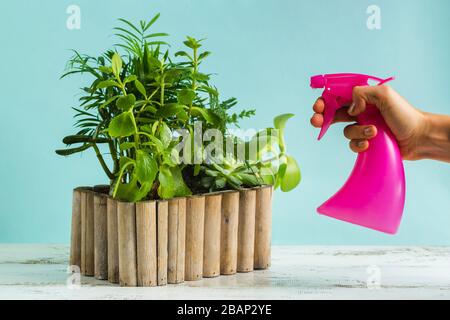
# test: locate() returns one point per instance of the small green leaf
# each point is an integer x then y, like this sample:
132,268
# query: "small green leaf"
121,126
169,110
292,176
125,103
146,167
116,64
126,146
171,183
203,55
105,69
130,78
107,84
206,114
186,96
197,168
280,122
140,87
165,134
107,102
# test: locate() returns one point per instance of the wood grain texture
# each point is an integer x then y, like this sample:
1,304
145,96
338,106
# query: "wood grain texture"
127,244
211,249
113,241
88,231
176,240
162,226
263,227
147,273
229,232
75,239
100,236
246,230
83,209
195,219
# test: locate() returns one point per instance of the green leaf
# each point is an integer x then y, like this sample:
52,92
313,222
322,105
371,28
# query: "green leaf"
171,183
130,78
105,69
280,122
197,168
107,84
125,103
165,134
127,191
152,21
186,96
169,110
107,102
126,146
203,55
140,87
116,64
67,152
292,176
146,167
206,114
121,126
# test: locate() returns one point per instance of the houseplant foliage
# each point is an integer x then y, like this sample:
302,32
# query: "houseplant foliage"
144,103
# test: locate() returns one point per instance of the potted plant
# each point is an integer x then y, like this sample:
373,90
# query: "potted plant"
166,131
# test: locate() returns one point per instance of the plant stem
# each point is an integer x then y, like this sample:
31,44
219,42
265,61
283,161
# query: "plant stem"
102,162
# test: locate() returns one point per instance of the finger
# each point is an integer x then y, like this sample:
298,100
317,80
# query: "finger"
317,120
358,132
343,116
358,145
363,95
319,106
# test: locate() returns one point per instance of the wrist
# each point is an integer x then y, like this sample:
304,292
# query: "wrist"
434,142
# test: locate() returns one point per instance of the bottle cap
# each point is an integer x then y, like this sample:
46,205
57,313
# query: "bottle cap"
317,82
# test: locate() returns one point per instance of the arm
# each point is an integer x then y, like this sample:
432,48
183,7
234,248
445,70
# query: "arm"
435,143
420,135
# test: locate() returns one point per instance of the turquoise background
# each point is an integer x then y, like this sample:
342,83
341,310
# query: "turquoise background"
263,54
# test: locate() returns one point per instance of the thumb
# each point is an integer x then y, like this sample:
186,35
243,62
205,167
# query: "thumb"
363,95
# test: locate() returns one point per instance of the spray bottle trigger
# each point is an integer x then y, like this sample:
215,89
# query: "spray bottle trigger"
331,106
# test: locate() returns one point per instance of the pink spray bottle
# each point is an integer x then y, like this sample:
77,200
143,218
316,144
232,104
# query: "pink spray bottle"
374,194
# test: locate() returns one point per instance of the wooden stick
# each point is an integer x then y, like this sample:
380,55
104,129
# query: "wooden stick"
195,219
100,237
127,243
246,230
113,245
263,229
146,244
211,250
162,226
229,232
89,268
75,241
83,209
176,240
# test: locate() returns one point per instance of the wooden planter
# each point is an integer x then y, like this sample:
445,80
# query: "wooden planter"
152,243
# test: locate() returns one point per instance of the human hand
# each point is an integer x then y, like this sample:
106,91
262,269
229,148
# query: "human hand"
408,124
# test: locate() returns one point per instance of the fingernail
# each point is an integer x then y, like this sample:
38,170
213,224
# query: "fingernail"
368,131
361,144
351,108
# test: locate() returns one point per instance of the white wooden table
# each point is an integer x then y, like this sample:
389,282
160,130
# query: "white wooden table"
297,272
